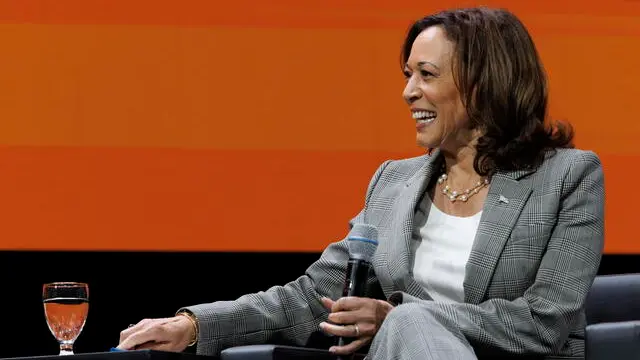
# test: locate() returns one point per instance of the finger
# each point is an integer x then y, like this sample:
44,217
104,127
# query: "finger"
345,317
132,329
349,303
142,324
366,327
338,330
136,340
153,332
327,303
351,347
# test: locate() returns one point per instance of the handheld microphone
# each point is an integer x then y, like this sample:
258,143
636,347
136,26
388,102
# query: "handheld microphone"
363,242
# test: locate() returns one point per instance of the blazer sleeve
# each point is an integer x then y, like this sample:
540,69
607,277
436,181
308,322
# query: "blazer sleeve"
290,313
539,321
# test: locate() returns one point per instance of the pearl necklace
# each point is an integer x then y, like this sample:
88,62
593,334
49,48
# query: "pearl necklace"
462,195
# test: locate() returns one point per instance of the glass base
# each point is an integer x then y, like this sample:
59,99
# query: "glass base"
66,348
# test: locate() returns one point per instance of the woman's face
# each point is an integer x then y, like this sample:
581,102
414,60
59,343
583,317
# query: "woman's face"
440,116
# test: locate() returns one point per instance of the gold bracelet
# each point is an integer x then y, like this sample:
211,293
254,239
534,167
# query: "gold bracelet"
196,326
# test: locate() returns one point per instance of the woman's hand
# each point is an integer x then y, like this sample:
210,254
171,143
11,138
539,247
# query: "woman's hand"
168,334
355,317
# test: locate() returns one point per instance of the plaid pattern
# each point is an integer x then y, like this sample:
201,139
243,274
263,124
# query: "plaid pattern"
531,266
409,332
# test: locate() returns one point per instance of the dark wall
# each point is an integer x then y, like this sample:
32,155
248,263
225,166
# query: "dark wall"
126,287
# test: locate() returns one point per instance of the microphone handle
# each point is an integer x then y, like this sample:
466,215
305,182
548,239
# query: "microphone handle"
355,284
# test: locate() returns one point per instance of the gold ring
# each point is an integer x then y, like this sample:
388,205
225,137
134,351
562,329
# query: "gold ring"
355,326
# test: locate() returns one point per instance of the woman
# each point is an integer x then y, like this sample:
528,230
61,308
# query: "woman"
488,244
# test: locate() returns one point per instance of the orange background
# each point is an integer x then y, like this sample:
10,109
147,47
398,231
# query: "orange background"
256,125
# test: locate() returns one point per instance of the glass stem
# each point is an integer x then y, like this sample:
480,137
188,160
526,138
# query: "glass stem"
66,348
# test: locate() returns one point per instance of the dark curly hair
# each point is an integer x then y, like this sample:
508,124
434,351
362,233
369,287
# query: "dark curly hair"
503,85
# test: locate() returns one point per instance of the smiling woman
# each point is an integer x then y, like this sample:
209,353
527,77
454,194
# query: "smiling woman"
459,272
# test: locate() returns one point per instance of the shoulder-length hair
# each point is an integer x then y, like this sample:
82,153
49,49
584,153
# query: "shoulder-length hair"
502,84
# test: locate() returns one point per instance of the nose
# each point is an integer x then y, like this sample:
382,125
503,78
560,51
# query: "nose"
411,92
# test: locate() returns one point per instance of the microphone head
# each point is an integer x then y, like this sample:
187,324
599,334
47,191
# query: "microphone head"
363,241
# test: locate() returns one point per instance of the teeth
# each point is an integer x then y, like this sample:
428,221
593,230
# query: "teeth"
424,115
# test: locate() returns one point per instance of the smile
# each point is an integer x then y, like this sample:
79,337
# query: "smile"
424,116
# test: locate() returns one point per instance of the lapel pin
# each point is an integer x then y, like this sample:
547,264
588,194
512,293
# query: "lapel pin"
503,199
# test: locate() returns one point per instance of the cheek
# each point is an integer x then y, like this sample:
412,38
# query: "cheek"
454,107
432,95
443,98
446,99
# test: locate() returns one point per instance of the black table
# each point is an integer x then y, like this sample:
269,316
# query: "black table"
255,352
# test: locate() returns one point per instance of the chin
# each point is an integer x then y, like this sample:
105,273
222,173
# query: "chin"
427,143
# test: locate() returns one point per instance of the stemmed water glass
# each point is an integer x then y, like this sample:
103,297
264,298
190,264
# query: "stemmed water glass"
66,305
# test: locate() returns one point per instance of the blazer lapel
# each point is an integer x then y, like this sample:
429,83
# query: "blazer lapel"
401,260
505,200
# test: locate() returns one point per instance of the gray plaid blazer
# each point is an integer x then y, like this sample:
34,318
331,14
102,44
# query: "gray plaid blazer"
536,253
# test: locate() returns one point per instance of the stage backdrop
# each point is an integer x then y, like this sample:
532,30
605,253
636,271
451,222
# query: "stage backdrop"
256,125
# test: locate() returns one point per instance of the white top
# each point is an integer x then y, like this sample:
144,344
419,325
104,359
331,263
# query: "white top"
442,245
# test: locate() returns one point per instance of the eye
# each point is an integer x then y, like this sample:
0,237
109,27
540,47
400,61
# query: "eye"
407,74
426,73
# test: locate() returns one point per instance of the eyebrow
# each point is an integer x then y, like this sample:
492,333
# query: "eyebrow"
421,63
